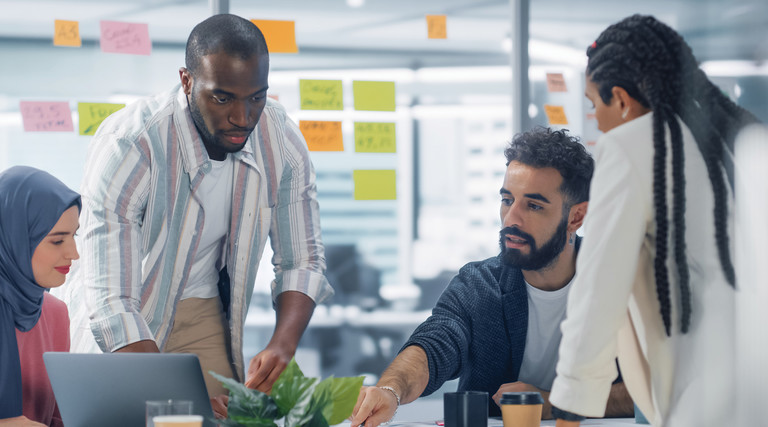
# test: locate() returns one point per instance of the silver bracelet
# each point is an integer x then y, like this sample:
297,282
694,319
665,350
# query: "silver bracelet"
391,390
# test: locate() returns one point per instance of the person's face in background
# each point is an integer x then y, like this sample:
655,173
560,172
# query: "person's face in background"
608,115
226,95
620,109
53,257
535,227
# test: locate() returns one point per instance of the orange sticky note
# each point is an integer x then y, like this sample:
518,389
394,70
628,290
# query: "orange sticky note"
280,35
66,33
436,27
375,184
556,82
556,114
321,135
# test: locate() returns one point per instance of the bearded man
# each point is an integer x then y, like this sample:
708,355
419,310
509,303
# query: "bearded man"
496,326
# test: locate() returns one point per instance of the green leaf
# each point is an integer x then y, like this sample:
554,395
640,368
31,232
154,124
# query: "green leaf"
253,422
245,402
311,413
342,393
292,389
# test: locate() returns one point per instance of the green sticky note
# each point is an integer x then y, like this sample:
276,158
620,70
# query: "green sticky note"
374,96
375,184
321,95
371,137
92,114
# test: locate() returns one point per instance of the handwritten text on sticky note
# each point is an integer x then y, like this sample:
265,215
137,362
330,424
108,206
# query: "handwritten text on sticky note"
374,96
280,35
125,37
556,82
436,27
92,114
66,33
375,137
322,135
46,116
375,184
555,114
321,95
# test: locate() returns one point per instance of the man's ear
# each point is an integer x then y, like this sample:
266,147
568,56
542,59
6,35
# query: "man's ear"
186,80
576,216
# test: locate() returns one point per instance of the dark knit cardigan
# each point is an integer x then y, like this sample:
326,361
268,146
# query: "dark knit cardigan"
477,329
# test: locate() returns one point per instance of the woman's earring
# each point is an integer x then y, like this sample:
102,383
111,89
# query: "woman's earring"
570,239
624,114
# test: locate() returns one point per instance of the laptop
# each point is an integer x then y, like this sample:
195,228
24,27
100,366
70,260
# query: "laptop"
112,388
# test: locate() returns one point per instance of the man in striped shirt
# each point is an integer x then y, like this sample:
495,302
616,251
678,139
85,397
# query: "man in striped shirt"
181,191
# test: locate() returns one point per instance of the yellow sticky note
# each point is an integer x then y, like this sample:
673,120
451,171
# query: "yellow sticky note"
436,28
321,135
321,95
374,96
373,137
92,114
280,35
556,82
66,33
556,114
375,184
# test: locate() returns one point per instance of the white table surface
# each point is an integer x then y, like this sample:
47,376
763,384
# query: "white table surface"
425,411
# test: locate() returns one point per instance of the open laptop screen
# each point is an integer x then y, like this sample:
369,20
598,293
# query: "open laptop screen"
112,388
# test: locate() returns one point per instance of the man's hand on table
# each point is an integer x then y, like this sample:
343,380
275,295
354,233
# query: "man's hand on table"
518,386
219,406
374,406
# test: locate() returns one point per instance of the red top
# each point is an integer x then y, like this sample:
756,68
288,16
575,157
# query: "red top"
51,333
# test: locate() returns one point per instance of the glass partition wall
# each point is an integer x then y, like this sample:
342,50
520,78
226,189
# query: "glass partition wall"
388,259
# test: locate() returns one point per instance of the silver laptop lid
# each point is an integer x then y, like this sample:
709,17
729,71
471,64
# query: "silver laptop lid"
112,388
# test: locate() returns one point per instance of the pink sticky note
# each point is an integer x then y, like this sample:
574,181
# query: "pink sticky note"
125,37
46,116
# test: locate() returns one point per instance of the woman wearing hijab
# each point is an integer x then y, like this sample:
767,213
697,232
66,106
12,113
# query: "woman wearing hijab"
655,282
38,221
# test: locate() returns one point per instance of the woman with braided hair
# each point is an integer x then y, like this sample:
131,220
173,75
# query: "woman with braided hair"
655,282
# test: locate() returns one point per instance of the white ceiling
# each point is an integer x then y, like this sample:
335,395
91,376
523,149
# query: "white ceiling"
392,33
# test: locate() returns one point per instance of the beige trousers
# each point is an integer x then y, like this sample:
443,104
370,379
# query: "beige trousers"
199,328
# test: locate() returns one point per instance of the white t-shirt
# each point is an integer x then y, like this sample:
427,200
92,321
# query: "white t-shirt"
546,310
215,196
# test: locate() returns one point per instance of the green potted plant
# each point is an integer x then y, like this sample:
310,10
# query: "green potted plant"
301,401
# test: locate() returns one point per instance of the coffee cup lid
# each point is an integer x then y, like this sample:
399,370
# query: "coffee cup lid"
521,398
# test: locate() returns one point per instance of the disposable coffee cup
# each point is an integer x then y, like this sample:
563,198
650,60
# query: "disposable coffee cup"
178,421
521,409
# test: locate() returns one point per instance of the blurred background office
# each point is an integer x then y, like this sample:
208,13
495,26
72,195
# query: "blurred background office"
505,65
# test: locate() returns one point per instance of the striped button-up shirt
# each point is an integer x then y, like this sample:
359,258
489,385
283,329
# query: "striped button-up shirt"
142,221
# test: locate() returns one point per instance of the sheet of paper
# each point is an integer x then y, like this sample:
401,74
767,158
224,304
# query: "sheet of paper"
42,116
91,115
375,184
375,137
125,37
436,27
280,35
556,114
322,135
66,33
556,82
321,95
374,96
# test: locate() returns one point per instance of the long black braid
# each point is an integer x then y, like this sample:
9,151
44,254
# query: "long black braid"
656,67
